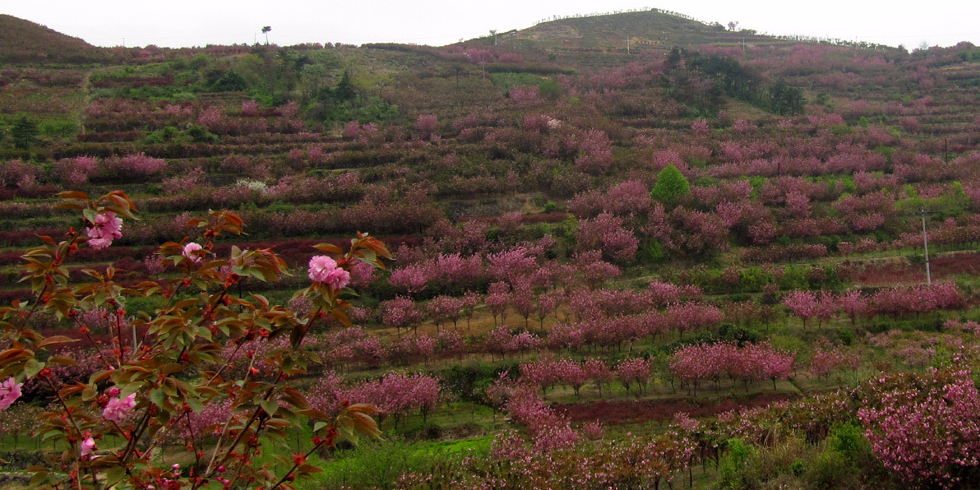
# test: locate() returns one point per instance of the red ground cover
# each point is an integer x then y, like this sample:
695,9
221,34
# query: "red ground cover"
617,412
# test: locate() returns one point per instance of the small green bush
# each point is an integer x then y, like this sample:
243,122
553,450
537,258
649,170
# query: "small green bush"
734,474
829,470
848,440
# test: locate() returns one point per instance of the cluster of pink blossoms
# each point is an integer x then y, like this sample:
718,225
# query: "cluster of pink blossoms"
88,446
118,408
324,269
189,250
9,393
106,228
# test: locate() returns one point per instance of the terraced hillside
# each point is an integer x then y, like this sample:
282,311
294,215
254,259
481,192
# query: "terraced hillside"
707,251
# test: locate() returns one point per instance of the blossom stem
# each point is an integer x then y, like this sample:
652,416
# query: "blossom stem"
296,465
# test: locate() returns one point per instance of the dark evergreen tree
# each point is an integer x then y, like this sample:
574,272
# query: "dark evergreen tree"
671,186
24,132
345,88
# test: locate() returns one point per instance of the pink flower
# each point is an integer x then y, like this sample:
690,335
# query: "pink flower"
324,269
9,393
117,408
189,250
104,230
88,446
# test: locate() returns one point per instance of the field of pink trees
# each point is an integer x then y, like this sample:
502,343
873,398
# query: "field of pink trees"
700,266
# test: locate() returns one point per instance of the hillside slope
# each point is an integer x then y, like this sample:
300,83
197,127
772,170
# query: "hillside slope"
23,41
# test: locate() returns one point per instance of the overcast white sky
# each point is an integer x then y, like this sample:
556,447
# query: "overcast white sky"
179,23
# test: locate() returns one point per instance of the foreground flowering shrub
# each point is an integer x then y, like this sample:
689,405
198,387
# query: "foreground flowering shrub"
163,372
925,427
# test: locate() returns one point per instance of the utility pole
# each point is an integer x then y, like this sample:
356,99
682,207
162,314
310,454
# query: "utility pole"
925,245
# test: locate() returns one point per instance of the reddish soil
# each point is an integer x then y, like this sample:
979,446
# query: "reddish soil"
617,412
941,267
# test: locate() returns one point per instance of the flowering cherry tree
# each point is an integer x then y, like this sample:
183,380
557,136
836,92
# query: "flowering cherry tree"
498,299
152,388
696,363
828,360
634,371
427,124
400,312
596,152
444,308
925,427
853,303
803,304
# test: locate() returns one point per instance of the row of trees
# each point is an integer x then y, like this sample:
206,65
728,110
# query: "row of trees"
897,301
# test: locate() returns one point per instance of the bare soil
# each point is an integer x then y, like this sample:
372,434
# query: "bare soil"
619,412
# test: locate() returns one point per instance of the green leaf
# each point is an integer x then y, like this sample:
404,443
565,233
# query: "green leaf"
38,479
195,404
114,475
158,397
369,257
276,437
62,360
270,406
52,434
347,433
32,367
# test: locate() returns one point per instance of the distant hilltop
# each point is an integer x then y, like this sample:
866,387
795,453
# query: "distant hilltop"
657,29
23,41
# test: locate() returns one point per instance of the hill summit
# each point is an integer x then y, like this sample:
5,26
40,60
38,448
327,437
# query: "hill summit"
643,30
23,41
